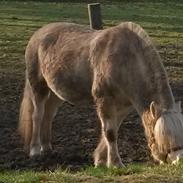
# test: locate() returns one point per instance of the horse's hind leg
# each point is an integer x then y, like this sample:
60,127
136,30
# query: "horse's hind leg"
35,146
51,106
39,97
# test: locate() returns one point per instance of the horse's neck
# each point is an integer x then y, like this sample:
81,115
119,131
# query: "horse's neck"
156,84
164,102
162,97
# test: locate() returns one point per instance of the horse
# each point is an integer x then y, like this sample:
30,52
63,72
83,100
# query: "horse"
117,70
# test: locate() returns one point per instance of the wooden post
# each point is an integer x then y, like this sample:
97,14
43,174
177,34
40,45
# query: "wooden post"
94,13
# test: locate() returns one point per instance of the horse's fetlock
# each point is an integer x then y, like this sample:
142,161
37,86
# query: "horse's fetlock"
35,150
115,162
46,148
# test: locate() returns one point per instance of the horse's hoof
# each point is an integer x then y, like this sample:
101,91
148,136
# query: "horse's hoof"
100,163
34,152
116,165
121,165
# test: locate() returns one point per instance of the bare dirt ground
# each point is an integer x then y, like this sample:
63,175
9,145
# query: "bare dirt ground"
75,133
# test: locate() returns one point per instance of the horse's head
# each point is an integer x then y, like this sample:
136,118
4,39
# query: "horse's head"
164,131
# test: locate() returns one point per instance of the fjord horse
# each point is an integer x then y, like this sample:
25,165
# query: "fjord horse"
116,69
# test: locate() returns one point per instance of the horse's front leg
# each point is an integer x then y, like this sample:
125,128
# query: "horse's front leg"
110,131
110,125
100,154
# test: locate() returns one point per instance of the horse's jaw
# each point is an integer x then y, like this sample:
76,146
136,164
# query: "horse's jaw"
175,156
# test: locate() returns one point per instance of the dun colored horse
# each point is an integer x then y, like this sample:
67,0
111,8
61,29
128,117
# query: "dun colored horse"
116,69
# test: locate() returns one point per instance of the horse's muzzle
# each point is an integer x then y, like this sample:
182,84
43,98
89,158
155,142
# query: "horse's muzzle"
174,156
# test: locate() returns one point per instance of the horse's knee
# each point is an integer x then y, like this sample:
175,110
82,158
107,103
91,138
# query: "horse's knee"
110,135
37,118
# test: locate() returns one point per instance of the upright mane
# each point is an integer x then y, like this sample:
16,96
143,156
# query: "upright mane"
137,29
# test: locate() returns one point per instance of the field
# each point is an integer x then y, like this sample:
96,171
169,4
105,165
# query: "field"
76,130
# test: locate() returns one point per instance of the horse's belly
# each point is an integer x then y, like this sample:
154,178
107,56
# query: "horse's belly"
72,96
73,89
69,75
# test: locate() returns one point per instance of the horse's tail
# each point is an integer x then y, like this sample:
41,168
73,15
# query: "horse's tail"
25,116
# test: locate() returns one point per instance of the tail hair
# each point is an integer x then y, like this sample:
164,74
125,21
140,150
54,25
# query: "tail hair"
25,116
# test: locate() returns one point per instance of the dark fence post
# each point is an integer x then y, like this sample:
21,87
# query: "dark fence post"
94,13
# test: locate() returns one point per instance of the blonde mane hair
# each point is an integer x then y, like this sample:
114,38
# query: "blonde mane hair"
168,131
137,29
164,131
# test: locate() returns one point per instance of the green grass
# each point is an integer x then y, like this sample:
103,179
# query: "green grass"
159,19
133,173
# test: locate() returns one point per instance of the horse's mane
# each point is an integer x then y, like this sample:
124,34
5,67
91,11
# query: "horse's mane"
137,29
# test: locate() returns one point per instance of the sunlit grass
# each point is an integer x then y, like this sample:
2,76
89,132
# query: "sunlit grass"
132,173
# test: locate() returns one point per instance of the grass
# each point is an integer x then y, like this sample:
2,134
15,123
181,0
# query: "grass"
133,173
18,21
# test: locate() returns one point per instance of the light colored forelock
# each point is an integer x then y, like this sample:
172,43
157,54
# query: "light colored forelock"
168,131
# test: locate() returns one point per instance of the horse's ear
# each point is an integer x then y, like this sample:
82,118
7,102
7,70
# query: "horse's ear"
153,110
178,106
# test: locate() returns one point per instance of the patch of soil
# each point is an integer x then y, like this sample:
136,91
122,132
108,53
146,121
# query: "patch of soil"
76,132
